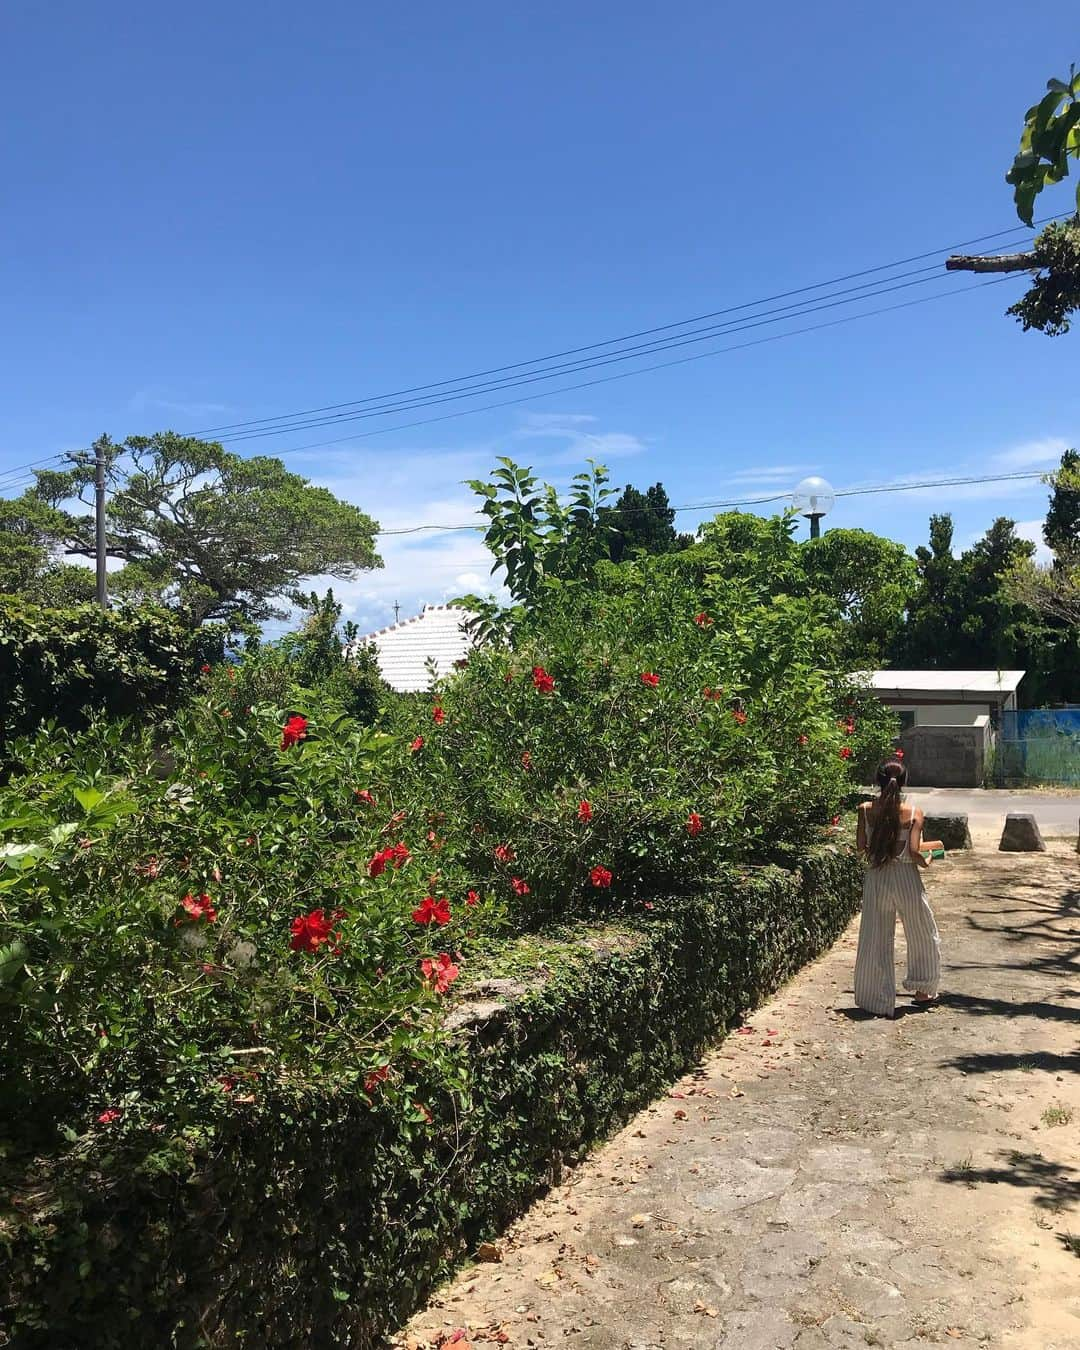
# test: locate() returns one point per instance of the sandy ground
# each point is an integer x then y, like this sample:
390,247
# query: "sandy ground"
828,1180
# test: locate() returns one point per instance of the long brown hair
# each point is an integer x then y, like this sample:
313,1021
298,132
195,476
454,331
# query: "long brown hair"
885,826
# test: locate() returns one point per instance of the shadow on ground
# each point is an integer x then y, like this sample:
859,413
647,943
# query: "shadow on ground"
1058,1189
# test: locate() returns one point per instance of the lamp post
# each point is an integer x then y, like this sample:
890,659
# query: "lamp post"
814,498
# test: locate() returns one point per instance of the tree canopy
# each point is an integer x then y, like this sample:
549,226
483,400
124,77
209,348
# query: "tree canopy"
642,522
215,536
870,578
1050,139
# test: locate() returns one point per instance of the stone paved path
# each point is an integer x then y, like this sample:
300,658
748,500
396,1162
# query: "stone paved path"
824,1180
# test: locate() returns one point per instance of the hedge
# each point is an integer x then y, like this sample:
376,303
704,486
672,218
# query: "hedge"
326,1225
65,664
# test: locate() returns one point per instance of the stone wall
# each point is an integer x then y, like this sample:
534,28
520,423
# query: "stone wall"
947,756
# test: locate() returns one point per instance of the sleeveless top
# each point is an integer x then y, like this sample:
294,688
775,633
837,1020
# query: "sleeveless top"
903,842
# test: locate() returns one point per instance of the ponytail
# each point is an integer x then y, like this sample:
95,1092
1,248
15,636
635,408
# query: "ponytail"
885,827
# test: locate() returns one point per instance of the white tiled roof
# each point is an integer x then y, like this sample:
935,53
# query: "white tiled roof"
404,648
965,683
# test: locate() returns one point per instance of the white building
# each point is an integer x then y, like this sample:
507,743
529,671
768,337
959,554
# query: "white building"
435,634
948,720
946,697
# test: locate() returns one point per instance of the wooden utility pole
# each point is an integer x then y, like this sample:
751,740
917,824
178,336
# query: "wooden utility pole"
99,522
1005,262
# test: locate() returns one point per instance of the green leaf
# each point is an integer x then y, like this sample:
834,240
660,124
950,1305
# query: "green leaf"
87,798
12,960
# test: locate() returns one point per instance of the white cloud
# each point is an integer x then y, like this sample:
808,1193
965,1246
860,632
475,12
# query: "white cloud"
1032,529
552,424
158,399
772,474
578,443
1045,453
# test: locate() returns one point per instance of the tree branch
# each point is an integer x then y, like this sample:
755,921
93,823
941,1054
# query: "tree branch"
1005,262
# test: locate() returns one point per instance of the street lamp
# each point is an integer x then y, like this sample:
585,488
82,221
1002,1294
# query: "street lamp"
814,498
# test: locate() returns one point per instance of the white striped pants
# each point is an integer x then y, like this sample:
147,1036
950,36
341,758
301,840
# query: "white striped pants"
895,887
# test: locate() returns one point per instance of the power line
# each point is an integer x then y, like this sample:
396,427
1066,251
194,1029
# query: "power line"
870,290
16,476
627,374
629,337
294,537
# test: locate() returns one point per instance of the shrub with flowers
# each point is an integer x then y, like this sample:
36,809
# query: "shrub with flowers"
278,901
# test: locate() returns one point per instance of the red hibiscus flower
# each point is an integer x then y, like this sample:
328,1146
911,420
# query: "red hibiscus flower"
294,730
849,726
364,796
649,679
200,907
311,931
835,820
375,1077
415,745
845,753
740,717
204,669
504,853
473,898
694,825
584,812
520,887
226,1081
600,877
804,740
432,911
543,683
438,716
702,620
899,754
107,1117
526,760
439,974
396,854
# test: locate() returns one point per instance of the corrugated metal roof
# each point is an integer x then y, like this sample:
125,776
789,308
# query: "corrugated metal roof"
404,648
965,683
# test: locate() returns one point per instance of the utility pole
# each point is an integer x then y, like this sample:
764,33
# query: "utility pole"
397,611
99,520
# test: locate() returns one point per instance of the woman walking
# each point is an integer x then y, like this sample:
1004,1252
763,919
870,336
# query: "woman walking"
889,835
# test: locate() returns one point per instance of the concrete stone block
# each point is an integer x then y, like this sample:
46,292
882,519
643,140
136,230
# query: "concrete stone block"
1021,834
952,830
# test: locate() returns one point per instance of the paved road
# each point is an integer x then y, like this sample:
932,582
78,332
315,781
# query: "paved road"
826,1181
986,808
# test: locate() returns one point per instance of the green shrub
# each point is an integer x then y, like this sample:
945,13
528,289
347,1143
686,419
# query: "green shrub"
214,971
301,1215
64,665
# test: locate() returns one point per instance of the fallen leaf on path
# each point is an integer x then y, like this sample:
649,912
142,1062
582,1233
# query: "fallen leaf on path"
488,1251
744,1031
705,1308
736,1092
680,1115
640,1220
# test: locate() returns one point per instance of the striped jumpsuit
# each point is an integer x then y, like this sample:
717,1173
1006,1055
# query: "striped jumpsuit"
895,885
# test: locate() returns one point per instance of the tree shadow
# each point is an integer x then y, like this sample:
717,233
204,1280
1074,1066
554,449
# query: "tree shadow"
1003,1063
1052,923
1055,1182
980,1005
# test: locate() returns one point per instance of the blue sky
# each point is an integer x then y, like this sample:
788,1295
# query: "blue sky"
217,213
